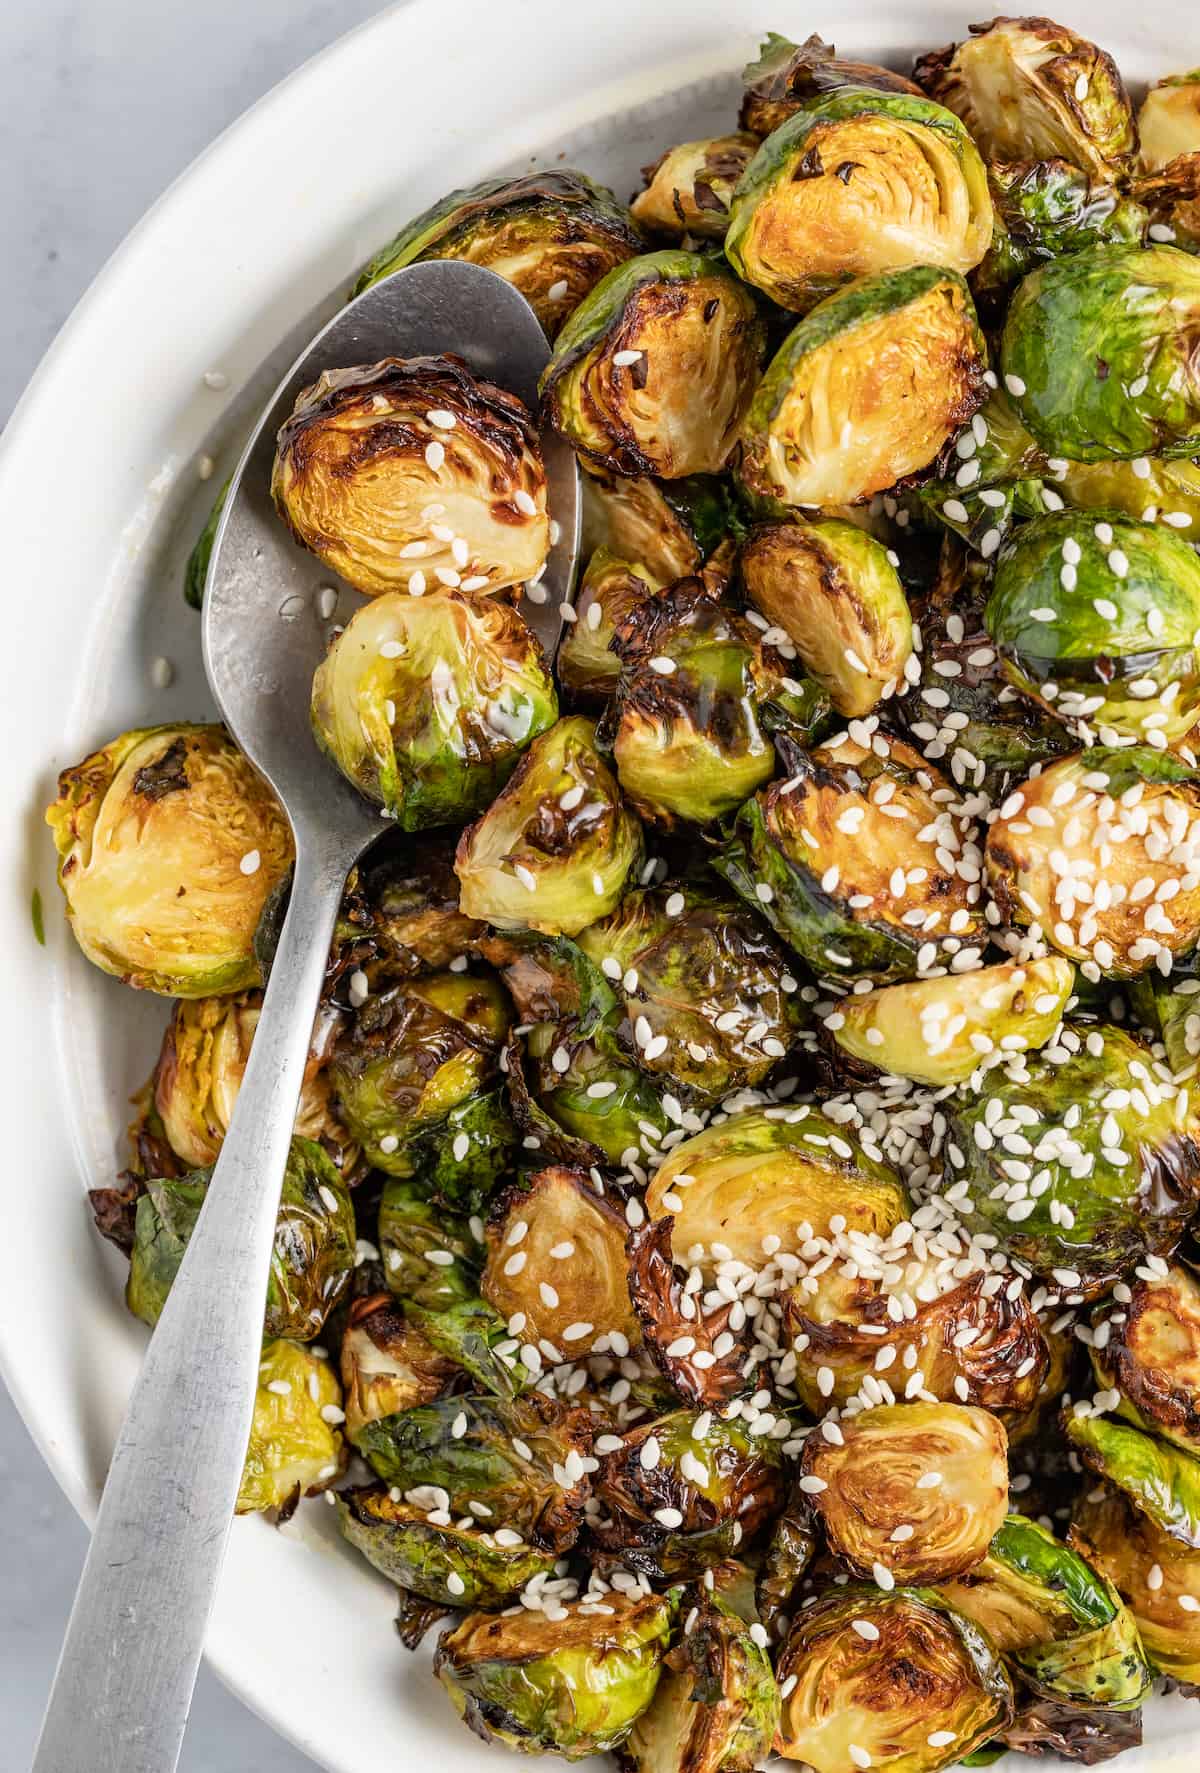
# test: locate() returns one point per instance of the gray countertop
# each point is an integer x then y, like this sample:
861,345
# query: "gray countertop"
101,105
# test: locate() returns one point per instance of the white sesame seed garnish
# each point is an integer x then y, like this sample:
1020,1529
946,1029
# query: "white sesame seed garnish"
668,1517
883,1576
940,1738
162,673
249,863
435,455
444,421
281,1387
865,1629
216,379
663,665
622,359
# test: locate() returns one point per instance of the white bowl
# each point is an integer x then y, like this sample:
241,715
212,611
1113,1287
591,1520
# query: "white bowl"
100,500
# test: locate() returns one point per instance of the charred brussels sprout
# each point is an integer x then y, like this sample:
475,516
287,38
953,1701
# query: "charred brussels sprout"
1171,199
716,1709
387,1364
415,1051
706,993
786,1557
939,1031
1110,1146
169,846
690,1340
1099,353
409,473
609,591
1028,88
554,850
1156,1575
403,910
858,182
670,527
940,1469
311,1262
196,571
425,705
1169,120
837,594
770,1171
686,732
689,187
924,1670
1148,1348
1098,620
653,373
572,1684
1046,208
789,75
295,1448
453,1564
552,235
471,1334
431,1257
858,862
825,426
1098,854
1161,1480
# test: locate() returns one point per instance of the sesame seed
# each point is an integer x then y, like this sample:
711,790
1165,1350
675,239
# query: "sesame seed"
216,379
940,1738
865,1629
668,1517
435,455
622,359
1015,386
249,863
883,1576
858,1755
162,673
663,665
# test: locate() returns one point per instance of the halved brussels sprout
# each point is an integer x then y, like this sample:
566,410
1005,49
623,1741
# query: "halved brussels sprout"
685,728
401,910
969,1343
196,571
1157,1577
426,705
1045,208
431,1256
1098,620
1153,489
858,862
941,1470
1100,853
1099,353
169,846
1169,120
441,1560
409,473
415,1051
387,1364
476,1339
514,1464
311,1262
571,1680
1079,1161
702,987
552,235
688,1339
689,187
670,527
768,1171
920,1670
836,593
939,1031
609,591
1027,88
1161,1480
683,1492
716,1709
1148,1348
654,371
295,1448
826,425
788,75
858,182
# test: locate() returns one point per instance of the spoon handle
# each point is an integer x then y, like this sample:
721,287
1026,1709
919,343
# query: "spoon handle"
124,1682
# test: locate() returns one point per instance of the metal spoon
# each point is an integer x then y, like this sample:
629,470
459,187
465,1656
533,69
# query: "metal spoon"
124,1684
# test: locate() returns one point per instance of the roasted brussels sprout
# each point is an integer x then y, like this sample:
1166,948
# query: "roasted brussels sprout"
1166,1007
1152,489
554,850
1161,1480
1098,854
552,235
1098,619
169,846
409,473
610,589
1148,1349
825,426
571,1679
1171,199
295,1448
654,371
402,911
1099,353
468,1332
1028,88
836,593
689,187
688,1338
783,1565
939,1031
788,75
387,1364
716,1709
415,1051
1156,1575
1045,208
766,1172
1169,120
919,1670
311,1262
1087,1162
858,862
196,571
444,1561
858,181
703,987
556,1260
669,527
426,705
939,1469
685,728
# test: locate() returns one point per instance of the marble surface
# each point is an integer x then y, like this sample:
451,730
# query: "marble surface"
102,103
